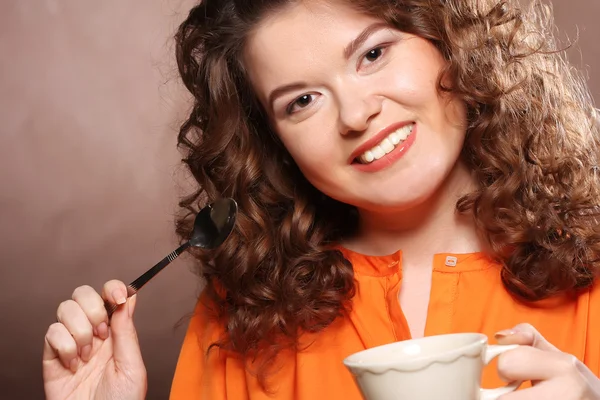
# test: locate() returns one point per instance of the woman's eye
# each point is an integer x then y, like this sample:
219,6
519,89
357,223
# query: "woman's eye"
374,54
300,103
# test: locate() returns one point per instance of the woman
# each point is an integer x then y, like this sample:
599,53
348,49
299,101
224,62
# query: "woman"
403,169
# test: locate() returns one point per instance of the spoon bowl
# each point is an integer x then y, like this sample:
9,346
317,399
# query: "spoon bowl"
214,223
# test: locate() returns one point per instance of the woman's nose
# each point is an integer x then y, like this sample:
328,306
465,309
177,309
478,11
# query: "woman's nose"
356,112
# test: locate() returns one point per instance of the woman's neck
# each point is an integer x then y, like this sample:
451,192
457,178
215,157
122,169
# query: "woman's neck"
422,231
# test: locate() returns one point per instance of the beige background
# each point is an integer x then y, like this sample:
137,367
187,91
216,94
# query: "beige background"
89,172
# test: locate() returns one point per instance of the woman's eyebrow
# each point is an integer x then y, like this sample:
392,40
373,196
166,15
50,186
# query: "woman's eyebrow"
351,48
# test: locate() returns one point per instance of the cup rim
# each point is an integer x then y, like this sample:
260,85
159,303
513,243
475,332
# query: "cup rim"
354,362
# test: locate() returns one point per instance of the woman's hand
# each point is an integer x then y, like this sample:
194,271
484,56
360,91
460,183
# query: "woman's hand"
85,358
554,374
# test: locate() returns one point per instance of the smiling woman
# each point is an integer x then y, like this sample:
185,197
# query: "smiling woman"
396,112
362,88
402,169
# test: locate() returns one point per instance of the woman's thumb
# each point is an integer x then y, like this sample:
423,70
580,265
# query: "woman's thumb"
126,347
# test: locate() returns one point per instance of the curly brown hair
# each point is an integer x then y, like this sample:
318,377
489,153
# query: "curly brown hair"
532,142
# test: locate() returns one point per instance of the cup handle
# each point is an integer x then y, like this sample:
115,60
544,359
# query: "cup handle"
492,352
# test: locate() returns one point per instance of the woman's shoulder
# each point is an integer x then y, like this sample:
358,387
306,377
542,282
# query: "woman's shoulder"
204,322
200,367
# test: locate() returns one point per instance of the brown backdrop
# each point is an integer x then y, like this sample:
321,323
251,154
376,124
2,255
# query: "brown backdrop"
89,173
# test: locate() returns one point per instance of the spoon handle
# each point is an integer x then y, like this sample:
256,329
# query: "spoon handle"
137,284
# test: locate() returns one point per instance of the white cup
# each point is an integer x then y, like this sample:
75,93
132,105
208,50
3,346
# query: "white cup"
442,367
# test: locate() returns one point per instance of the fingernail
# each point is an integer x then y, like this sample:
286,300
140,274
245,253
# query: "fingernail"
103,331
74,364
86,351
504,333
118,296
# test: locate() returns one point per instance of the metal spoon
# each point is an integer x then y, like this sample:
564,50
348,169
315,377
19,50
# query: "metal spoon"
212,227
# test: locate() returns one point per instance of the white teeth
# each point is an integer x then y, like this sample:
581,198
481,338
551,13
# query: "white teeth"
403,133
378,152
394,138
387,145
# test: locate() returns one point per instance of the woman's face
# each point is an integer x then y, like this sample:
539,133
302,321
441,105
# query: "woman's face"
356,104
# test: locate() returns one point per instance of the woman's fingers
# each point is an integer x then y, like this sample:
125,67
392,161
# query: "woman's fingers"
93,306
60,344
115,292
79,319
524,334
72,316
530,363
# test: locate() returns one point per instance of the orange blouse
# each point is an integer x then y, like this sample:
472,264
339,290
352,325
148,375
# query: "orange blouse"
466,296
